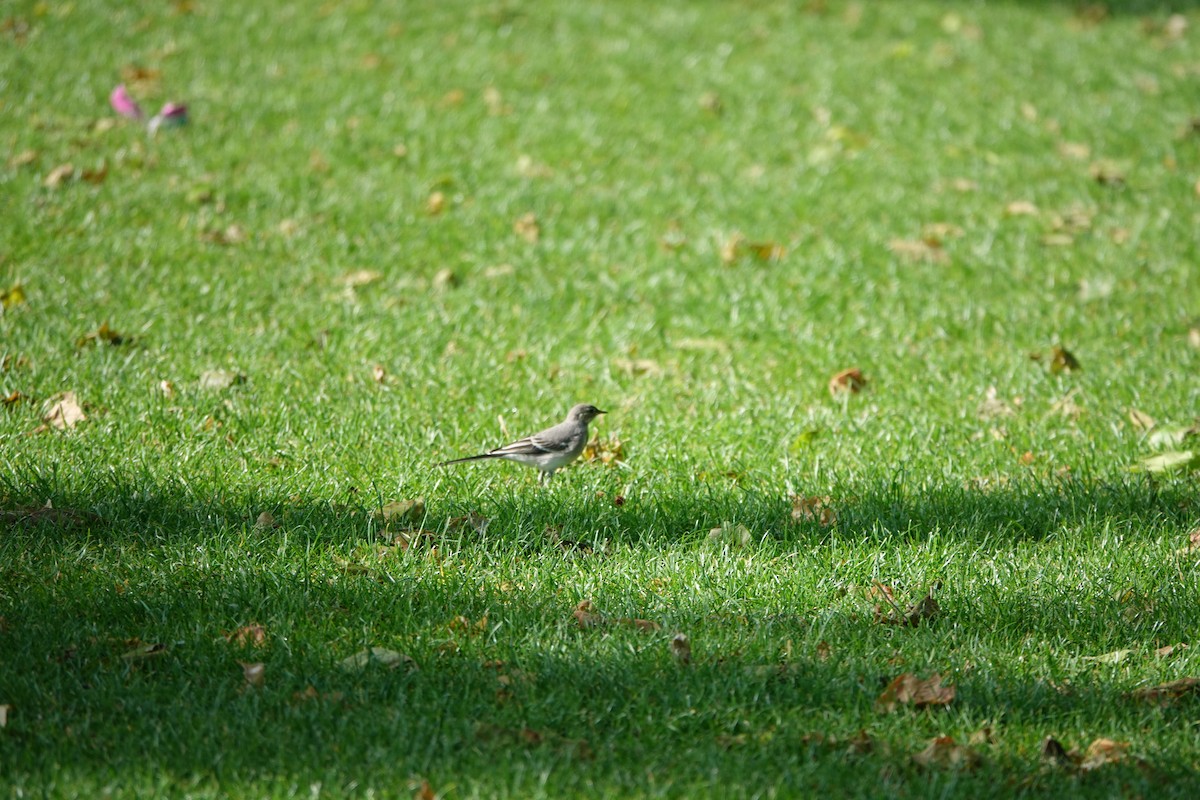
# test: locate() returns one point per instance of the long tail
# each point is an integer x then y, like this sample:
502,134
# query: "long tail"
468,458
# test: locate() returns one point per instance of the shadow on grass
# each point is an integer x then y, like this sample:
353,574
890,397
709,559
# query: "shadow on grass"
602,710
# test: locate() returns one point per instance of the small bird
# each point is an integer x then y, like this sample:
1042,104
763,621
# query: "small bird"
547,450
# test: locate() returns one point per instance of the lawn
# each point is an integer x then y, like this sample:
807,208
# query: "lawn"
395,234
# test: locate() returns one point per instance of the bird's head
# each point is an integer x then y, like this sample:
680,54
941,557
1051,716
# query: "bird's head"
584,413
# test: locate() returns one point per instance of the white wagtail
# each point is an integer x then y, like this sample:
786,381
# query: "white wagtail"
549,449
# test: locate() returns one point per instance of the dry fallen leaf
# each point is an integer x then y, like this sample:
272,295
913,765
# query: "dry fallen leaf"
992,406
254,673
730,534
471,522
944,753
377,655
143,652
1107,173
12,398
252,635
909,690
585,615
436,203
1053,752
848,381
216,380
360,277
58,176
816,508
1062,360
402,512
737,247
527,228
63,411
12,296
681,649
1170,650
23,158
1115,657
1167,693
913,251
1101,752
1021,208
608,452
445,279
1141,421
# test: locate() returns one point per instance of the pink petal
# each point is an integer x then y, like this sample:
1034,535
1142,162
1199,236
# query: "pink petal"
123,104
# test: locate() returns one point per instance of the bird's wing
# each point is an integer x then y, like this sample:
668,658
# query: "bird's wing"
529,446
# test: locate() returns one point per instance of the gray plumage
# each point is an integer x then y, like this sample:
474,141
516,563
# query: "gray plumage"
548,450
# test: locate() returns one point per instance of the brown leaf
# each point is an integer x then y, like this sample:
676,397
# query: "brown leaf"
143,652
944,753
400,512
1107,173
1062,360
608,452
471,522
1053,752
992,406
848,381
103,334
254,673
1021,208
1166,693
737,247
586,616
23,158
59,175
681,649
424,791
1170,650
1140,420
913,251
817,509
219,379
647,625
527,228
63,411
252,635
12,398
12,296
1101,752
1193,545
360,277
377,655
909,690
436,204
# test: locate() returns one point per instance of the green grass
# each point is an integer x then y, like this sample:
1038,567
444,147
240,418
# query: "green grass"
839,131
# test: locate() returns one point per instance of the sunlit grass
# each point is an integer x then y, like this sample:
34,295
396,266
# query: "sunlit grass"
412,233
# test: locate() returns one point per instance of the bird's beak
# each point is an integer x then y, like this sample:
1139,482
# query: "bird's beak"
598,411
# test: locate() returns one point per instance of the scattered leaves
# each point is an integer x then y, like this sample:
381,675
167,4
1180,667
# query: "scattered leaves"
12,398
1171,649
63,411
377,655
848,381
23,158
992,406
909,690
816,508
360,277
1140,420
